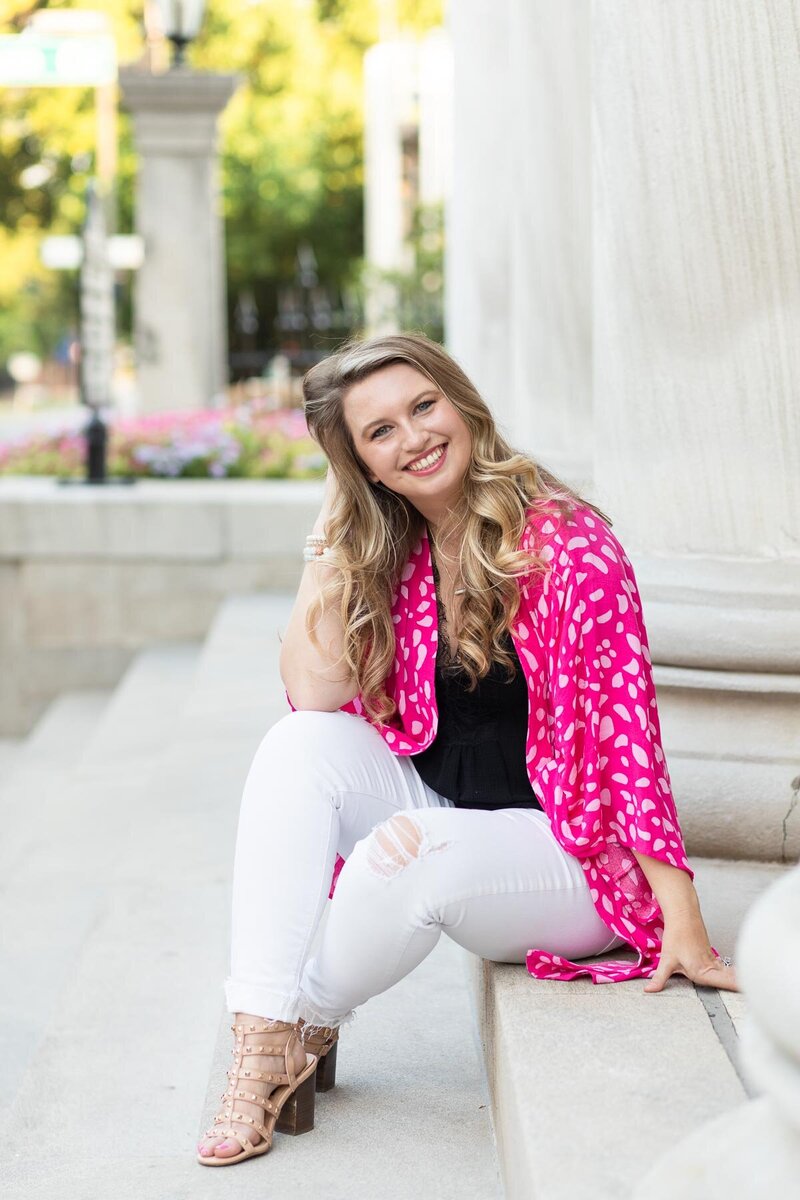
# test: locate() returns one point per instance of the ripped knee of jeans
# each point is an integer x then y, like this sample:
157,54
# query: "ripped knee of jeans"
396,843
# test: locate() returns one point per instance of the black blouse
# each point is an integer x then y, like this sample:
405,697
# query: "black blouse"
477,758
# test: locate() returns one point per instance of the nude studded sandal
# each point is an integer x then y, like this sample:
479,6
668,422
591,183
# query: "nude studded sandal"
324,1042
288,1108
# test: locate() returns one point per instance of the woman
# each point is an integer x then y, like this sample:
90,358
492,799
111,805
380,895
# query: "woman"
474,733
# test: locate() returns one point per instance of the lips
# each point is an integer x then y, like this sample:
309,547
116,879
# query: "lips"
415,462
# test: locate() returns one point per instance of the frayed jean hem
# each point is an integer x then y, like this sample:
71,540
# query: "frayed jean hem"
274,1006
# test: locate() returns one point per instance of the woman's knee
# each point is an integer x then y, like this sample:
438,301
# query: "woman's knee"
399,842
303,735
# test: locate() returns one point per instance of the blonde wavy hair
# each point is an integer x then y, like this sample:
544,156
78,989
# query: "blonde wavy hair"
372,530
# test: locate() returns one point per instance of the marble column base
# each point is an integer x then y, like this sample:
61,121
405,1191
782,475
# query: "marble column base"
731,740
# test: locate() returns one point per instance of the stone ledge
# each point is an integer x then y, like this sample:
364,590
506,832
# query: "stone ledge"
90,575
591,1083
722,614
192,519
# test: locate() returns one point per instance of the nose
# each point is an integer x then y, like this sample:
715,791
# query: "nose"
413,441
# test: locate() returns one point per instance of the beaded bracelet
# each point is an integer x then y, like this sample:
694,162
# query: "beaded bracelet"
316,547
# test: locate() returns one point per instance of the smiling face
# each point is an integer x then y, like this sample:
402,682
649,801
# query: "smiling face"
409,437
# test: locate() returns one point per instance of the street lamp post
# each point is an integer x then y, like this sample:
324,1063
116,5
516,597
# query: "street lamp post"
181,21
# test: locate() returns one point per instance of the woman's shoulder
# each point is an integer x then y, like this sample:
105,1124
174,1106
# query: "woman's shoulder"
550,522
574,537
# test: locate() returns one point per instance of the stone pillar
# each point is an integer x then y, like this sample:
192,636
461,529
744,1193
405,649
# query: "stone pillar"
696,294
179,293
435,73
518,279
623,284
390,74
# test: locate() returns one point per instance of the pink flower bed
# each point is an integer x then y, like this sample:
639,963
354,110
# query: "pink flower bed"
242,443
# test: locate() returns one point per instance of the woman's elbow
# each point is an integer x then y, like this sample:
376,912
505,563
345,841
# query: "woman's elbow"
318,697
302,703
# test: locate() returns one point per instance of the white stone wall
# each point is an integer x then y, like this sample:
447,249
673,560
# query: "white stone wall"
697,274
518,282
88,576
623,285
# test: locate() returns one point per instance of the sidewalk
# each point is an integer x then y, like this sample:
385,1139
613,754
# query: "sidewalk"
117,869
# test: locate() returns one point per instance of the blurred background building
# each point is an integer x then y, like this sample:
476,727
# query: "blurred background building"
275,204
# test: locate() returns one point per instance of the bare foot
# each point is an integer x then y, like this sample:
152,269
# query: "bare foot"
270,1064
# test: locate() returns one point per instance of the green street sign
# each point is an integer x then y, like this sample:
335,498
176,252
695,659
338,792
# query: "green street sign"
32,60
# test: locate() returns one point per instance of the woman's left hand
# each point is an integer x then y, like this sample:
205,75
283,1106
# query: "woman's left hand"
685,950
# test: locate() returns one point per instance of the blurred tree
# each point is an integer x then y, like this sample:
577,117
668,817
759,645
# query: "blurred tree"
292,154
47,140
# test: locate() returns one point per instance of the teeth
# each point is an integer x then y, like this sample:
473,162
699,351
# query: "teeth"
423,463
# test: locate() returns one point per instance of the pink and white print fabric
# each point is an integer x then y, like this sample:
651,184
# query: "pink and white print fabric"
593,753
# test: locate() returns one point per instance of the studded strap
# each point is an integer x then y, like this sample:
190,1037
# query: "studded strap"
243,1141
240,1079
245,1051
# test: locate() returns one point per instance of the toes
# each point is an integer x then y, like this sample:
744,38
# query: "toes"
227,1148
207,1148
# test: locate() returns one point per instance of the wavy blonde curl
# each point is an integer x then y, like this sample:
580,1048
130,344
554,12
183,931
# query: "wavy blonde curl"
372,530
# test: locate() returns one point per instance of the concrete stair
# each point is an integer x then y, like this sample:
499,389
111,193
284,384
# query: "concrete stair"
120,817
9,749
591,1083
33,766
72,788
117,896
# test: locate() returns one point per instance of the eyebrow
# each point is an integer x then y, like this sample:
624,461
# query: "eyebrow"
411,403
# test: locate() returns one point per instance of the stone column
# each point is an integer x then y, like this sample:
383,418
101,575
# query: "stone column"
696,185
518,279
623,284
179,293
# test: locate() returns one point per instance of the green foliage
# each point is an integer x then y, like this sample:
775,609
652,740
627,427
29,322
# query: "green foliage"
291,151
47,140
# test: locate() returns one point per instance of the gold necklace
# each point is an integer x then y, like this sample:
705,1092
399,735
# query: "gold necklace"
456,591
432,541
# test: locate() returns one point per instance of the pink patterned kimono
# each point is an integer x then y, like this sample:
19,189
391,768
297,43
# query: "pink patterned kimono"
593,753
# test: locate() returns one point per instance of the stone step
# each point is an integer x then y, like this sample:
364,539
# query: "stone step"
591,1083
56,742
67,807
120,733
9,751
136,1048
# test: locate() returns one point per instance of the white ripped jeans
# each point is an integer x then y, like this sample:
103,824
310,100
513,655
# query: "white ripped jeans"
496,881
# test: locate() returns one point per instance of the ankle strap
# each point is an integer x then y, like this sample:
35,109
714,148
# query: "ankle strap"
264,1027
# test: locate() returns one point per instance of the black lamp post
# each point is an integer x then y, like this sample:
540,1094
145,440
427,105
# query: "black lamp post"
182,20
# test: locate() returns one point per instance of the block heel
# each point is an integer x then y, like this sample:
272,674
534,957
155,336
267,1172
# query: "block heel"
326,1070
323,1041
297,1114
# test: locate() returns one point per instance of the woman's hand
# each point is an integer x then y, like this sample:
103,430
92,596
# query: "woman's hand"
685,949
